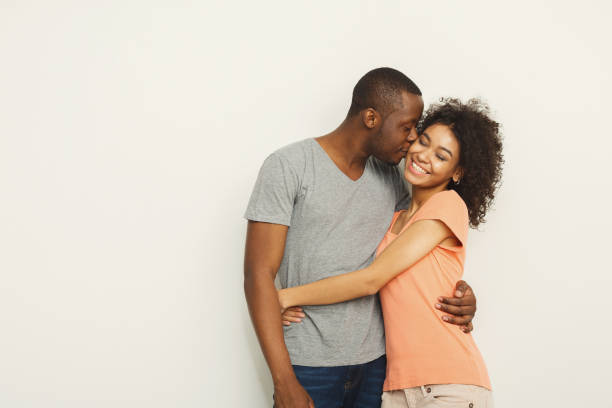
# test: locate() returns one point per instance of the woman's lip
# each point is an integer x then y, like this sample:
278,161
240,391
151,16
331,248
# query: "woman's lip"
413,171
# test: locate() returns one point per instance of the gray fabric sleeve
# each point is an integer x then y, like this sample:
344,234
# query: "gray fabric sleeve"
274,193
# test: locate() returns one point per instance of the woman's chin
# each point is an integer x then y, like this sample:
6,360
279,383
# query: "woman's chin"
414,179
425,181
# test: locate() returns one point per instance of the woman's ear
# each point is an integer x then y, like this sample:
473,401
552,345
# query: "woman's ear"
458,175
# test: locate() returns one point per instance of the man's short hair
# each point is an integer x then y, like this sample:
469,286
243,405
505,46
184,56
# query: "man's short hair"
381,89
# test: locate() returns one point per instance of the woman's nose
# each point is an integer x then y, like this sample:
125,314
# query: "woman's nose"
422,156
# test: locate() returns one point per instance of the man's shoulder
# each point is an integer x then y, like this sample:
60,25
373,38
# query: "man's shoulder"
295,155
296,150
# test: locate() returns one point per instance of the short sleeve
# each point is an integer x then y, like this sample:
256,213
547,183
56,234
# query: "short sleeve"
274,193
449,208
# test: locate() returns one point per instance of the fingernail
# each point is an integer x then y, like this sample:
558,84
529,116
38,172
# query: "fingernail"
438,306
440,299
458,293
445,318
302,315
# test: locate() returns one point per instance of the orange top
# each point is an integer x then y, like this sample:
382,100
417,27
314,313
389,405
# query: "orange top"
421,348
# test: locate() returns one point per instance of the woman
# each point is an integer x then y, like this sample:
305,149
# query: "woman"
454,168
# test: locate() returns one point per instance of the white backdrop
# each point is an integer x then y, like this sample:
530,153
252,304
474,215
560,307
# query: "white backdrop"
131,133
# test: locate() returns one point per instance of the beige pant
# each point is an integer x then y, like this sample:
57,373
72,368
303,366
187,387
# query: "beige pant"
439,395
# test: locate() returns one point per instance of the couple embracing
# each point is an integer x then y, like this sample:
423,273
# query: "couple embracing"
370,253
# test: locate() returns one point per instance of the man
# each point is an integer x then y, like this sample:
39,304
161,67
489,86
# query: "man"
319,208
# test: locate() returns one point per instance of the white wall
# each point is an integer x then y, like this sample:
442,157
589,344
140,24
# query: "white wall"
130,137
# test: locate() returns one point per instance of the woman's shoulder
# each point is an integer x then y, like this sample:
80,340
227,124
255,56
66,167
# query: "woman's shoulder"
448,206
447,200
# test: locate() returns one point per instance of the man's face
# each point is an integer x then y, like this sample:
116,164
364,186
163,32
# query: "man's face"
397,131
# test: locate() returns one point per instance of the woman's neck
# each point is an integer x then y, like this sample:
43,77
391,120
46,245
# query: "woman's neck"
422,194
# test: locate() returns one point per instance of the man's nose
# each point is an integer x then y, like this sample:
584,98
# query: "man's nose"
412,136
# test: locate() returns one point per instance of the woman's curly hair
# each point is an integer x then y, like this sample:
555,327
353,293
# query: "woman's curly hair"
481,151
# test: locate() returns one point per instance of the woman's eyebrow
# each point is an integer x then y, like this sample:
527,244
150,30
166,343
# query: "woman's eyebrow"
446,150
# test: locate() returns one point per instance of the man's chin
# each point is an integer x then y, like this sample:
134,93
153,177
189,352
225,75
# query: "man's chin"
393,162
398,161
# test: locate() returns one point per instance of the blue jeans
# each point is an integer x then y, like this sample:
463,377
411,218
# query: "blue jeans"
354,386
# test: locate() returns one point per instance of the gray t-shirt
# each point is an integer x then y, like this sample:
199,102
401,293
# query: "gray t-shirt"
335,225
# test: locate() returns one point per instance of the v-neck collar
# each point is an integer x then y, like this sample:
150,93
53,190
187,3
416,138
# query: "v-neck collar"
333,163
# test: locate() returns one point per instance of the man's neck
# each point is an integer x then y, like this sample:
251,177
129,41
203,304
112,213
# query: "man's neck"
348,147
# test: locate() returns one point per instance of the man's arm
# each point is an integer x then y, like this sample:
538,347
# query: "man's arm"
265,245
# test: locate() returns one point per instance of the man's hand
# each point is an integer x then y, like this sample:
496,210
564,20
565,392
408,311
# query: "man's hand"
461,307
291,394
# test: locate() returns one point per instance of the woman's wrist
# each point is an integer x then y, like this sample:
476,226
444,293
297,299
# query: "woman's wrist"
283,299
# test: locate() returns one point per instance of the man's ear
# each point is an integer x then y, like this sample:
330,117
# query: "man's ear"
370,118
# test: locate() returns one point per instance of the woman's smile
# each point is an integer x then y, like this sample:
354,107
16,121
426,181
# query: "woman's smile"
416,169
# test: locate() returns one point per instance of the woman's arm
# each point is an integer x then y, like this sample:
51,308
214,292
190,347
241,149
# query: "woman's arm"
408,248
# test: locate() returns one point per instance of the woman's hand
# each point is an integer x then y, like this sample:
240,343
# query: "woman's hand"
289,314
292,314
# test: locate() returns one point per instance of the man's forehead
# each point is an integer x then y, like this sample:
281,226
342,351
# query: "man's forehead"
408,113
411,101
411,107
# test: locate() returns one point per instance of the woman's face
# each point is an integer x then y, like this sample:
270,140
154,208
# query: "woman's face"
433,159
